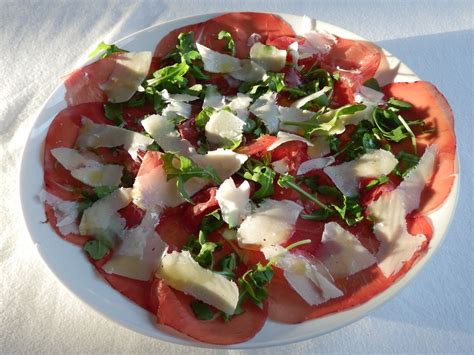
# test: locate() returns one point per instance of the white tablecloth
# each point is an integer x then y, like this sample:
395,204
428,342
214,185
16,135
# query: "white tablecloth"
42,40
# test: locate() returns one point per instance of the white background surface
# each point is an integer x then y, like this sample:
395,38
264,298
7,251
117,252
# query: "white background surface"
42,40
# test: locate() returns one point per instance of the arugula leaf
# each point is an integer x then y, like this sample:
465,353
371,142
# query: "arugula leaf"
203,117
253,282
320,214
289,182
212,222
96,249
350,211
113,112
315,79
186,170
170,77
230,45
154,147
103,191
108,49
137,100
406,162
373,84
186,52
201,310
228,264
392,127
261,174
398,104
89,197
377,181
325,120
272,82
362,139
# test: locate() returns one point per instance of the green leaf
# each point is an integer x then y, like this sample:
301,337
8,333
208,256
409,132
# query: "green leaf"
201,310
350,211
107,50
272,82
186,170
377,181
406,162
203,117
399,104
96,249
373,84
261,174
153,147
102,191
170,77
325,120
230,45
319,214
228,264
288,182
113,112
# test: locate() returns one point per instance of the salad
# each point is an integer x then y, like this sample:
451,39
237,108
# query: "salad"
242,173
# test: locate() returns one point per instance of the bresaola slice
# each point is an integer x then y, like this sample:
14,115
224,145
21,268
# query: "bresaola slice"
174,310
114,78
431,106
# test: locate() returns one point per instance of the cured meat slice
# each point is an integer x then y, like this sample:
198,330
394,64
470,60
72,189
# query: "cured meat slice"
431,106
63,132
357,61
174,310
241,25
114,78
286,306
135,290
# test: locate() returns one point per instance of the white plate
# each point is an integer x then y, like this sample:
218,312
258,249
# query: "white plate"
68,262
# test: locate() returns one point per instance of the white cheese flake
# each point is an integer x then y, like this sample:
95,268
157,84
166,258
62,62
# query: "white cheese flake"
307,276
342,253
224,128
102,220
87,169
293,115
93,135
316,44
141,249
284,137
234,201
66,212
213,98
249,71
128,74
281,166
267,110
180,271
314,164
268,57
240,105
397,246
374,163
215,62
414,183
272,223
165,134
225,161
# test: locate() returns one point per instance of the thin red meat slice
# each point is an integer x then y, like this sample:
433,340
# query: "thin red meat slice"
139,292
173,228
168,42
431,106
84,84
174,310
258,146
356,61
74,238
286,306
63,132
295,152
239,24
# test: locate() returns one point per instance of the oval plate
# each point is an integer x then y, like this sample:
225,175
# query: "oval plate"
69,264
